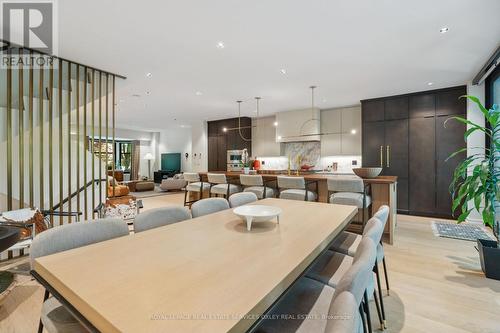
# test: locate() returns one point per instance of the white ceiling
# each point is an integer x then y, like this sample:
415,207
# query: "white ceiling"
350,49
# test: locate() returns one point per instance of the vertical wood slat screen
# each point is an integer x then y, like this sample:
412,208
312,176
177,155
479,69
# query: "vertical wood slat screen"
49,103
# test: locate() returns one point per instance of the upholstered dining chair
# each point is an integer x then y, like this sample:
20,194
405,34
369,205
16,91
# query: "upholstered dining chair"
331,266
255,184
220,186
242,198
208,206
343,315
295,188
159,217
348,242
309,302
349,190
55,317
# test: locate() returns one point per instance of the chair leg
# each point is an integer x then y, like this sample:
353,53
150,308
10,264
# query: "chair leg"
367,311
363,318
385,273
379,312
40,324
185,197
379,287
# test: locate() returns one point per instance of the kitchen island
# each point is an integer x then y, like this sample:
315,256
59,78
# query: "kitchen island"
383,191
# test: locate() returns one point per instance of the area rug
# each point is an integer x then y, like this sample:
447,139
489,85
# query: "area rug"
155,193
463,231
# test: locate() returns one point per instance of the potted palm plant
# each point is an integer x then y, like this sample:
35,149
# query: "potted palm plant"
476,180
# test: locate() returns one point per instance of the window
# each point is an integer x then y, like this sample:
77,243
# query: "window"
124,156
100,149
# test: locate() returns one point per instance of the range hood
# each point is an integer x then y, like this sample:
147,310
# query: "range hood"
298,125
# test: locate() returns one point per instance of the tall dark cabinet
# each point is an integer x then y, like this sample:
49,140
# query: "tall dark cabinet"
407,137
385,140
220,141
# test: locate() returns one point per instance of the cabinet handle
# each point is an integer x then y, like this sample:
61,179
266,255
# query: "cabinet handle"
381,156
388,155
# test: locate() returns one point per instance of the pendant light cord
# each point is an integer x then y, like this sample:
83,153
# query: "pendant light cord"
239,123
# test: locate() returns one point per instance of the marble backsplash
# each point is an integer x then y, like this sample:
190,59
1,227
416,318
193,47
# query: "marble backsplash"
311,155
308,152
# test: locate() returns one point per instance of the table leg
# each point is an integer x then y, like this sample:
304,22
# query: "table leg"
249,223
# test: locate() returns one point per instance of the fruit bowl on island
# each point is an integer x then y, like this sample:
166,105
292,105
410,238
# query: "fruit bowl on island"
367,172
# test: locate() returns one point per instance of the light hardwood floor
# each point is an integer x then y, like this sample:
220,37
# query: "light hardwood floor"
436,284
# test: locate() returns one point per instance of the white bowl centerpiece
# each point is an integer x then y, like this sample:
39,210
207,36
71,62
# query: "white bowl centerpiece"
257,213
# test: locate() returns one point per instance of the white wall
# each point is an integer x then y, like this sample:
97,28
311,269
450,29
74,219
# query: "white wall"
176,140
475,142
199,147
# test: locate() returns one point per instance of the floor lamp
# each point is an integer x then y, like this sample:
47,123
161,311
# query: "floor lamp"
149,157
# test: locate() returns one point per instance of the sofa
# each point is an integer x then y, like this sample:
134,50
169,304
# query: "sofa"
176,183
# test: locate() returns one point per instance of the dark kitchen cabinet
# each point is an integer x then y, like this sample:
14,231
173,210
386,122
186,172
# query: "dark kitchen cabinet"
396,108
213,163
373,111
223,135
385,144
423,105
448,140
396,157
422,166
373,143
416,145
448,102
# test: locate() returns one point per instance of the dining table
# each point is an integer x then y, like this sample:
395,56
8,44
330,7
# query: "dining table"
207,274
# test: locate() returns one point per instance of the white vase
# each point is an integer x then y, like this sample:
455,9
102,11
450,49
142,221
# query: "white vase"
246,170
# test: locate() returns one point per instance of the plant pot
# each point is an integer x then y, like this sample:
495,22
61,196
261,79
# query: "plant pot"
246,170
489,254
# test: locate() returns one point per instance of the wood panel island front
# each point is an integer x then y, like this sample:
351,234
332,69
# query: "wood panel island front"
383,191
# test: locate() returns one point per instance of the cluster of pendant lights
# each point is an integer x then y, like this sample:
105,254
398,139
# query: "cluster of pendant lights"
257,101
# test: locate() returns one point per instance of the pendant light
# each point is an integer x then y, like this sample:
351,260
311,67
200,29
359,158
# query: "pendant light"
239,122
257,101
313,117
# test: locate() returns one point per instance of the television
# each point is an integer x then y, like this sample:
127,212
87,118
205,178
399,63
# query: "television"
171,162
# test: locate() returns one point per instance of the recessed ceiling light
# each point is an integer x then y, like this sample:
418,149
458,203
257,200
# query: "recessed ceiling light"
199,93
430,84
283,71
279,137
224,129
220,45
444,30
353,131
275,124
149,74
148,93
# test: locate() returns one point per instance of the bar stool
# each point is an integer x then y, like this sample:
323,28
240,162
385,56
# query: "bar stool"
220,186
194,185
255,184
295,188
349,190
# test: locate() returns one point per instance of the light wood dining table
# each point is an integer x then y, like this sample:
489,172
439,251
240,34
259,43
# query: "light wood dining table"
207,274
